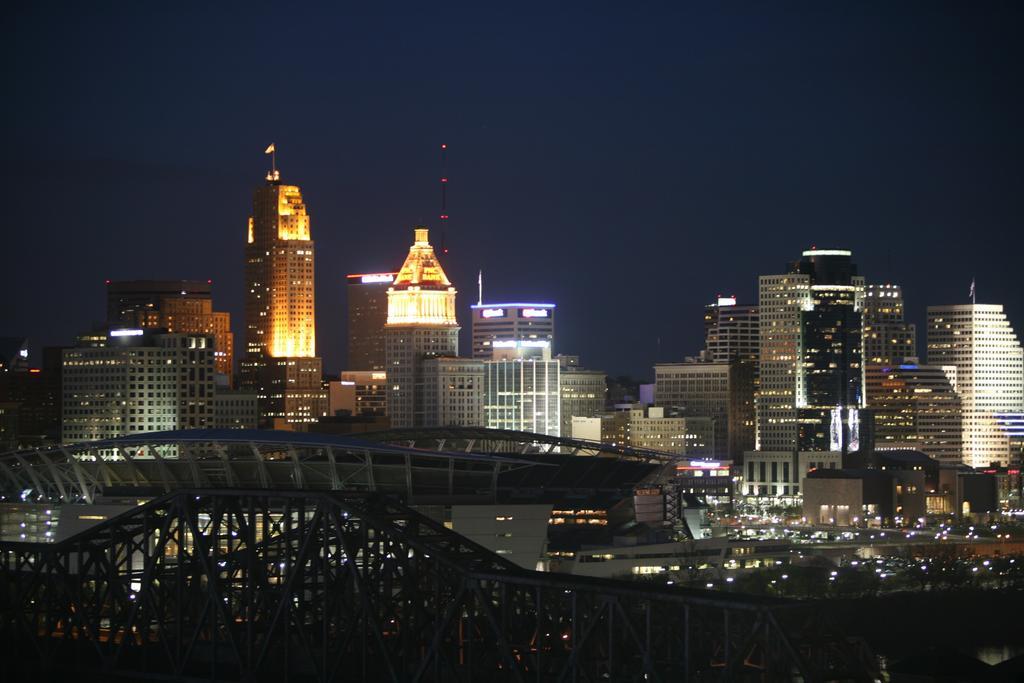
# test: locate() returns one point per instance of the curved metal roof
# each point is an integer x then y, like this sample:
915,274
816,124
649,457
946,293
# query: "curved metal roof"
247,458
514,441
277,438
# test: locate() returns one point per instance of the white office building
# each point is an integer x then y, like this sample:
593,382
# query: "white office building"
977,339
522,388
511,322
137,381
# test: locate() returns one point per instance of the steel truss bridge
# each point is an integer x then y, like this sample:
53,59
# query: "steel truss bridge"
259,585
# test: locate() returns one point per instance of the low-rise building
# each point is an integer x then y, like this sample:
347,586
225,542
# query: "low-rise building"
864,497
781,474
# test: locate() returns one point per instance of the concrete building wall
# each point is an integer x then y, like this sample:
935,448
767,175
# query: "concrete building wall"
833,501
517,532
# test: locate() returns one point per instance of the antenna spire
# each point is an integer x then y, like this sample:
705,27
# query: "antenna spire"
444,195
480,288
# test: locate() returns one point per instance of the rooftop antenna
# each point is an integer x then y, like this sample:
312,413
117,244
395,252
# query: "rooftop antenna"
444,195
480,288
973,292
272,151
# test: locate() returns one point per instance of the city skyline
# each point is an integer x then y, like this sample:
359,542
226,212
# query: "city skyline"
683,156
337,349
470,341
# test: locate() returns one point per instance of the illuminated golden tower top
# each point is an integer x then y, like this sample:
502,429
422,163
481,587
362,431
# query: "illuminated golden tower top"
421,293
280,319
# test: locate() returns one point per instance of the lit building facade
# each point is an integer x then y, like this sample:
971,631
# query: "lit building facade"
280,330
723,392
781,474
421,324
511,322
360,393
177,306
583,391
731,332
522,390
915,407
811,371
367,316
453,392
888,338
649,427
139,381
978,340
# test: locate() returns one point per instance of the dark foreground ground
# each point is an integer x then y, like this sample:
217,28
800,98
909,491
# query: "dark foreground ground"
939,630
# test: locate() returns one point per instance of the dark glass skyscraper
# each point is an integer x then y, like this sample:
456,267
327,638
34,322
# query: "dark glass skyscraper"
367,315
812,370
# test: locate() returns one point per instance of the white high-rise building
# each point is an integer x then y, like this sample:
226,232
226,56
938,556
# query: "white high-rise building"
977,339
138,381
523,388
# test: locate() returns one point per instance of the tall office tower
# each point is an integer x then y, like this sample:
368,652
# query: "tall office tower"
888,338
31,394
367,315
582,391
280,331
522,388
138,381
177,306
978,340
453,392
723,392
421,324
731,331
811,370
916,407
511,322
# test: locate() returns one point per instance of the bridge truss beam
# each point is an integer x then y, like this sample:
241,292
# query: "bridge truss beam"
256,585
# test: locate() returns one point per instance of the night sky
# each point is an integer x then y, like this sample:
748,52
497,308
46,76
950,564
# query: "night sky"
626,163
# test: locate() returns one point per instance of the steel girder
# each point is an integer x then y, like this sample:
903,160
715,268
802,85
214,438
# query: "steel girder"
256,585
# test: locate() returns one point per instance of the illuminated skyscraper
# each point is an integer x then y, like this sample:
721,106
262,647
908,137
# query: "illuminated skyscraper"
178,306
888,339
731,332
916,407
978,340
811,370
522,388
722,392
511,322
280,330
421,324
367,315
137,381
